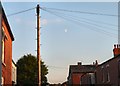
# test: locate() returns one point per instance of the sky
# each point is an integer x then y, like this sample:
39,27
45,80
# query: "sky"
72,32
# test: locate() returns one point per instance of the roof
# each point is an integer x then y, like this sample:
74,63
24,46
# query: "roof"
81,69
7,24
14,62
115,57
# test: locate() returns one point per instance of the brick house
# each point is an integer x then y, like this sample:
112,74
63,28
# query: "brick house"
14,73
105,74
88,79
109,71
77,71
7,38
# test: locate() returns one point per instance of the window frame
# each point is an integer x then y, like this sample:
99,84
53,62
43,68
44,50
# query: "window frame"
108,73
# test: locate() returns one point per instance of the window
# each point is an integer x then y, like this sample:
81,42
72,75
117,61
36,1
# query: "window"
3,50
3,44
2,81
107,73
102,68
119,68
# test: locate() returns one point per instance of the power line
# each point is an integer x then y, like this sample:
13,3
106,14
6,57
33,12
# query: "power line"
99,22
21,12
78,23
85,20
72,19
93,13
60,9
56,67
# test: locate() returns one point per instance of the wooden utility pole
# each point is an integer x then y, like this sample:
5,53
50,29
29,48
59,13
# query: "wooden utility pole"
0,42
38,45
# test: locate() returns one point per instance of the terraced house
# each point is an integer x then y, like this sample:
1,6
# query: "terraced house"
7,38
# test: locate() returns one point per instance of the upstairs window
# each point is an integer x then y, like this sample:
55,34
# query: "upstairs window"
119,68
2,81
107,73
103,76
3,45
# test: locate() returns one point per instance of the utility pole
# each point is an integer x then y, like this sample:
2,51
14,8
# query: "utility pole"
0,42
0,46
38,45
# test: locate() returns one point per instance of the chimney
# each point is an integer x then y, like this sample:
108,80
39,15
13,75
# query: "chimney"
96,62
79,63
116,50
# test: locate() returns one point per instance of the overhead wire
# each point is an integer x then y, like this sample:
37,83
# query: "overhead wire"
60,9
19,12
100,22
78,23
88,21
72,19
93,13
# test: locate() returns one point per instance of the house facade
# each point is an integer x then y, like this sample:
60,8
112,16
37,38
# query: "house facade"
105,74
7,38
76,73
109,71
88,79
14,73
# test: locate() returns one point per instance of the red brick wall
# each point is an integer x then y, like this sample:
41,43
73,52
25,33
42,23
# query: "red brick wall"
7,68
76,78
113,72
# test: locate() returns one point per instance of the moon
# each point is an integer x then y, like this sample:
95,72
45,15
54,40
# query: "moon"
66,30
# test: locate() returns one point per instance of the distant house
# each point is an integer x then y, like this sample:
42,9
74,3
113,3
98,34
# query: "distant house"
88,79
7,38
105,74
14,73
76,73
109,71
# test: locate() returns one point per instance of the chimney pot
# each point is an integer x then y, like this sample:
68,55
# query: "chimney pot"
79,63
93,63
116,50
117,45
114,45
96,62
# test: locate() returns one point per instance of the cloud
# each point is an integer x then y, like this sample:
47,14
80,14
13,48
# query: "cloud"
58,20
50,21
44,22
66,30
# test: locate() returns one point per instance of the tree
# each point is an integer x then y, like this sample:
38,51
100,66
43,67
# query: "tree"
27,70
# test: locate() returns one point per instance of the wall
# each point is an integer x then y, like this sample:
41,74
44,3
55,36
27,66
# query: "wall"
76,78
88,79
7,65
107,73
14,73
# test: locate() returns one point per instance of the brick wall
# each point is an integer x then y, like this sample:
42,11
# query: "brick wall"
76,78
7,66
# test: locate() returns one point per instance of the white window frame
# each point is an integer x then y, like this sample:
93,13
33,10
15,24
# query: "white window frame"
103,75
2,81
3,46
108,74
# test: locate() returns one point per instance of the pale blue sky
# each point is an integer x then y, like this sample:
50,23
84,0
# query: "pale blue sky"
64,42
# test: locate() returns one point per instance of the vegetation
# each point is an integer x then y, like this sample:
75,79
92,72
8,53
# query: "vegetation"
27,71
